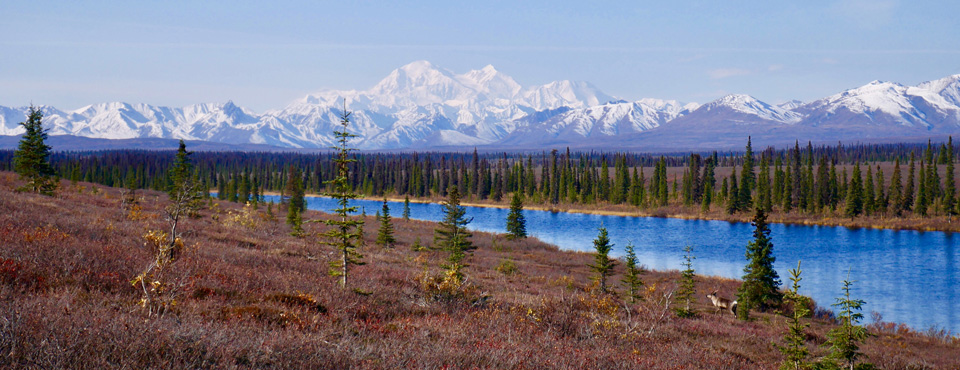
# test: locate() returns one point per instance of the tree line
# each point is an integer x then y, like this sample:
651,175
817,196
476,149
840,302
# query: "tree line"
810,179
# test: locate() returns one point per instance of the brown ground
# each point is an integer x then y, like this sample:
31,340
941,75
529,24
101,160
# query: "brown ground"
248,295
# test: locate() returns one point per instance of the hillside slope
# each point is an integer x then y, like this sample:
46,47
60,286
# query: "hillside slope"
248,295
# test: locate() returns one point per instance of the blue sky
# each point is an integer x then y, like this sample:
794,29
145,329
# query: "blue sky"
262,56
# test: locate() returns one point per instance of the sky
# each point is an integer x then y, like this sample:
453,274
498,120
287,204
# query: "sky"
264,55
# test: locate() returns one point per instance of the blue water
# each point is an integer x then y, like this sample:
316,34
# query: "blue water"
906,276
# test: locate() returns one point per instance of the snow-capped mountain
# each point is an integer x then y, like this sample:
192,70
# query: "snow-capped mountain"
606,120
420,105
925,106
739,109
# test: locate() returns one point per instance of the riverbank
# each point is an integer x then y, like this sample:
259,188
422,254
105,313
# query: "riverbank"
930,223
250,295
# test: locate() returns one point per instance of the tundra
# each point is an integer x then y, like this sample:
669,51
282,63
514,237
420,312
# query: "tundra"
720,302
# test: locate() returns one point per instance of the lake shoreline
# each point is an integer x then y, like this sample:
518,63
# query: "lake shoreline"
928,224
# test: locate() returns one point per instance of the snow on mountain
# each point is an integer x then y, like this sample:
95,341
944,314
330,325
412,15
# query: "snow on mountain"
745,109
886,103
484,104
790,105
421,105
597,122
564,94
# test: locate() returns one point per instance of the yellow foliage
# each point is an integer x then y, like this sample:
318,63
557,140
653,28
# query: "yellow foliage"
247,217
136,213
44,233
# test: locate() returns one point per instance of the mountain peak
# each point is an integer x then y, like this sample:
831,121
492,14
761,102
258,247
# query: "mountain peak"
418,64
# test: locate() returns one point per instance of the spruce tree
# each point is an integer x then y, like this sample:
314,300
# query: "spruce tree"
950,186
896,190
747,178
760,287
869,196
385,236
733,198
881,202
920,205
908,190
631,276
516,223
796,349
788,192
602,263
855,194
346,233
31,160
764,197
686,288
451,235
845,340
295,204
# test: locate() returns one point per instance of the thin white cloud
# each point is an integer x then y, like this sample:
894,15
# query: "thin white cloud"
721,73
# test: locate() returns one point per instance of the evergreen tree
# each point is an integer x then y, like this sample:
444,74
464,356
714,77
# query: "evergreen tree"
707,198
747,178
603,265
845,340
733,198
221,187
788,192
295,220
31,160
244,191
295,205
933,188
855,193
896,190
950,186
663,193
631,276
346,233
764,197
516,223
778,181
796,349
881,201
686,288
869,196
385,233
908,191
452,236
232,189
760,281
406,207
920,205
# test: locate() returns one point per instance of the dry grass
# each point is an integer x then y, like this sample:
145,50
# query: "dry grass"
248,295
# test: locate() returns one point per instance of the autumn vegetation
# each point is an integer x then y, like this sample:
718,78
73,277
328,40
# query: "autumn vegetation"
244,293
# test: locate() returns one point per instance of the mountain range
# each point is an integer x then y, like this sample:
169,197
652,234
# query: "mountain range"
422,106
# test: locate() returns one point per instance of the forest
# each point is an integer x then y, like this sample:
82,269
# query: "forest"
889,181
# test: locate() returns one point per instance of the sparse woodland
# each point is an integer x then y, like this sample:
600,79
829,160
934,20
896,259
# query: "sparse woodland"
901,186
244,293
91,278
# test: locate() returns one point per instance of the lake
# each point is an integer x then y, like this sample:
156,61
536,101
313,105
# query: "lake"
906,276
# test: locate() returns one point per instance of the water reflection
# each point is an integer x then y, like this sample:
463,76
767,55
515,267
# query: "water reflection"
907,276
